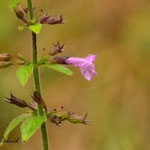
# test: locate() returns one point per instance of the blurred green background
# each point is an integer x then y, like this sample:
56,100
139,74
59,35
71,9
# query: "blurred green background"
117,100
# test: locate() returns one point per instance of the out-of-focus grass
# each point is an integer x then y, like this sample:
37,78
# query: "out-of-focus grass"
117,100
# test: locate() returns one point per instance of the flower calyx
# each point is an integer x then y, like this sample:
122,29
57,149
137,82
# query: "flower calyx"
48,19
20,13
55,20
38,99
58,48
18,102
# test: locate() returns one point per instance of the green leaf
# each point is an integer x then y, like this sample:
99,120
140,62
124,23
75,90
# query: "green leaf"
24,72
29,127
60,68
13,4
13,124
35,28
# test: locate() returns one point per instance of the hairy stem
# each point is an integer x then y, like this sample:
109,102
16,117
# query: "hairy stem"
36,77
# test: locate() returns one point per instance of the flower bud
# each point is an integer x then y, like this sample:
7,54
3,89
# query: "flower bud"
37,98
58,48
56,20
43,19
59,59
4,64
19,11
5,57
16,101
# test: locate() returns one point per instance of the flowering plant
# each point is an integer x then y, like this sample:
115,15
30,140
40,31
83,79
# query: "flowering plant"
39,113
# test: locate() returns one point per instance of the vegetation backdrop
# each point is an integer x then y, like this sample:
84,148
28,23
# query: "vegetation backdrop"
117,100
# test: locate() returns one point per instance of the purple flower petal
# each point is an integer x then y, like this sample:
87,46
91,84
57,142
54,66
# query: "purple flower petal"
86,65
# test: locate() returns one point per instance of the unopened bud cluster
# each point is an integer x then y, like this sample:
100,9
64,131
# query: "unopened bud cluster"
57,116
22,13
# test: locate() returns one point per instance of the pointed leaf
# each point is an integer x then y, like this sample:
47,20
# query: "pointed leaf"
60,68
13,124
35,28
24,72
13,4
29,127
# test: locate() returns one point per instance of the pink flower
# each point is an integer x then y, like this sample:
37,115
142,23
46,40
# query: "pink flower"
86,65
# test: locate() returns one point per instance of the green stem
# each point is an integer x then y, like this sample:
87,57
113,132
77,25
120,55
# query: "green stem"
36,77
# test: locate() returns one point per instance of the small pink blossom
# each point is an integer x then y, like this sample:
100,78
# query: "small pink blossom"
86,65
